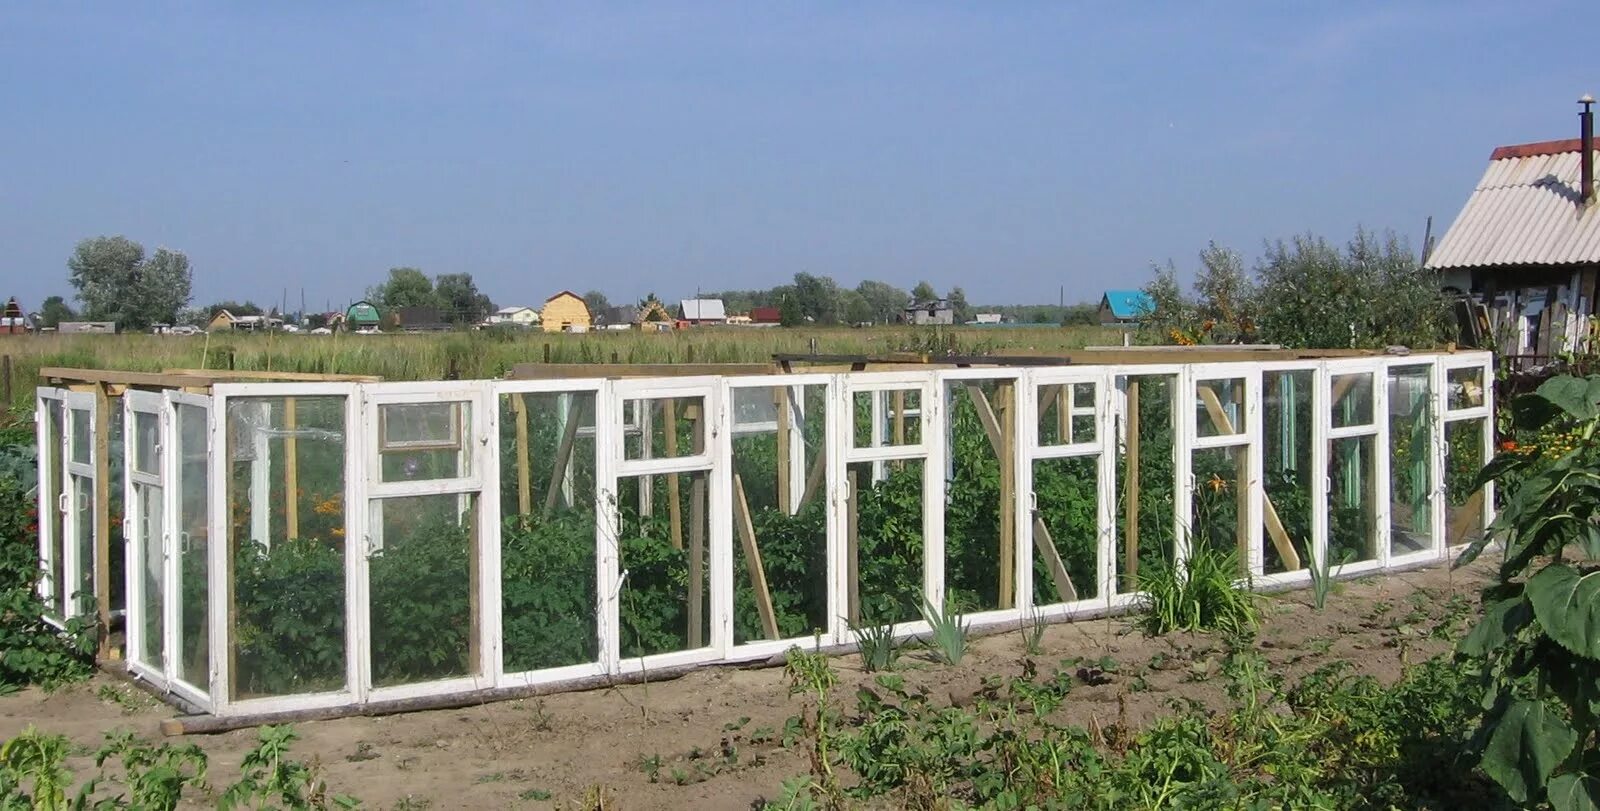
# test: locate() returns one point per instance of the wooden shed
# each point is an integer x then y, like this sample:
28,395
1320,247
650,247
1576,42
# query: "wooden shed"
565,312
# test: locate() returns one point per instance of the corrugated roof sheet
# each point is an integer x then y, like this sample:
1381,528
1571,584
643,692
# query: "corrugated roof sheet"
1525,211
709,309
1129,303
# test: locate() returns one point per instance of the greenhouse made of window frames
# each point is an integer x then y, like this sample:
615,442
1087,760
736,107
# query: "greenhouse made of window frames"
258,547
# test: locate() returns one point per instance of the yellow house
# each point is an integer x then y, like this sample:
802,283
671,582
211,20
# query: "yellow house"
221,321
565,312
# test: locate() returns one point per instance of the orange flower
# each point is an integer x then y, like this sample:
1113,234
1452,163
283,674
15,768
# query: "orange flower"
1217,484
1508,445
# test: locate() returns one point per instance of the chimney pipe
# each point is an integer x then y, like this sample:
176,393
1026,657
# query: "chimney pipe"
1586,150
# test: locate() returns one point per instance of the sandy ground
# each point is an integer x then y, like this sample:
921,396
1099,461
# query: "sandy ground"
667,744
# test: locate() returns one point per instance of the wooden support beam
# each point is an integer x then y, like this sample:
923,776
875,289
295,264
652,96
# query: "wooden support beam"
669,425
814,479
1064,405
780,402
519,413
1130,514
752,559
291,470
986,417
1046,546
697,540
102,518
899,405
149,379
569,437
1471,515
550,371
269,376
1275,530
1006,391
852,554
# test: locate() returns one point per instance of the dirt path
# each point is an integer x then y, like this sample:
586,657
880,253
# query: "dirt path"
713,739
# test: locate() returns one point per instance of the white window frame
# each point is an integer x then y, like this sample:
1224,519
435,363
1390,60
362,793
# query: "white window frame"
1378,429
175,541
52,534
146,657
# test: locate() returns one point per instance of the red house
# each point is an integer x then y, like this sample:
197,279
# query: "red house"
765,315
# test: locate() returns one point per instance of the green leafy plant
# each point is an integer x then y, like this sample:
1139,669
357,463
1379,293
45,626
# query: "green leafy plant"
1539,640
269,777
949,633
1199,596
877,645
1322,575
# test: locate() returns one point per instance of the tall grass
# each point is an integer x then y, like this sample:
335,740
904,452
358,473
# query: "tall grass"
1198,596
479,355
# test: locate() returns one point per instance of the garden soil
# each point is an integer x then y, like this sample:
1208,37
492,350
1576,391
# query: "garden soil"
701,741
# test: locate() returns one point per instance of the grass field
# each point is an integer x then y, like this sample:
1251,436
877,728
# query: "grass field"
488,355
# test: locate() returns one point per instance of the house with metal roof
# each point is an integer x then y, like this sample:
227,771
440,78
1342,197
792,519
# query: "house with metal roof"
1125,307
1527,244
703,311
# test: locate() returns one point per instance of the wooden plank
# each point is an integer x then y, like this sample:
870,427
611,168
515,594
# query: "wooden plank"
268,376
898,402
102,518
1008,493
1064,404
669,408
1130,515
780,402
1046,547
752,559
986,416
814,478
291,469
96,376
697,542
550,371
1471,515
519,412
1275,530
569,437
852,554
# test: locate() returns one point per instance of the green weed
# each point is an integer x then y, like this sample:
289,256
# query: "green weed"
949,633
1200,596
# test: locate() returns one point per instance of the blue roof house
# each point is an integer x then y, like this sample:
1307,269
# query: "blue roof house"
1125,307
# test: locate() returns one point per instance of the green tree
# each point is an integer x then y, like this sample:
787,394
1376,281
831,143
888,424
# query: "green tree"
958,303
856,308
117,282
884,300
406,287
789,312
597,301
54,311
818,298
235,307
459,299
924,292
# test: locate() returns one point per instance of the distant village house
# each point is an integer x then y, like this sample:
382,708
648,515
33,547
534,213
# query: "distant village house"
700,312
1125,307
13,321
565,311
936,311
526,317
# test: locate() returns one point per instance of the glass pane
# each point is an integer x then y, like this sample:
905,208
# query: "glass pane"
884,544
193,528
1219,513
1464,513
980,520
547,536
1067,413
1287,418
146,443
783,544
1466,387
288,575
887,418
424,553
1352,400
81,448
1219,407
148,562
83,594
1410,459
665,597
1352,500
1066,531
665,428
425,441
1145,521
50,518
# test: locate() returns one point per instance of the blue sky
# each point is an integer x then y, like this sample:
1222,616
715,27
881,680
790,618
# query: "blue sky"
1010,148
